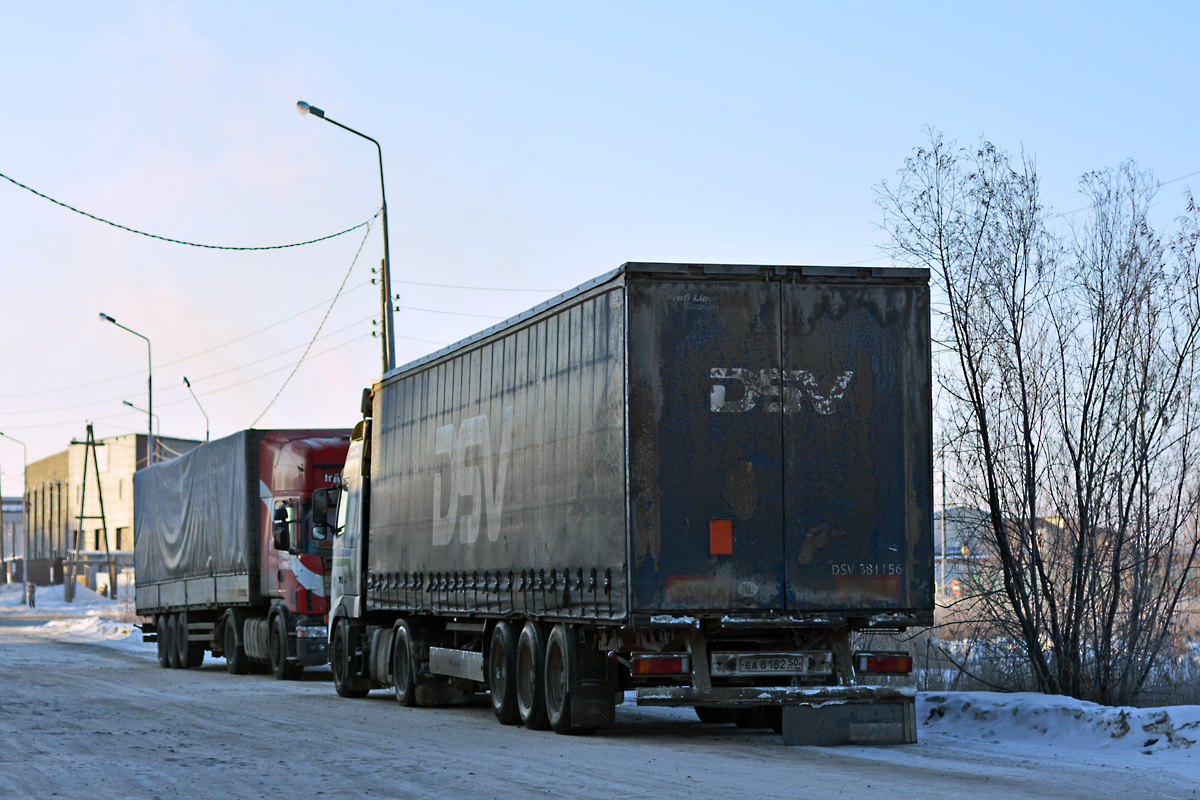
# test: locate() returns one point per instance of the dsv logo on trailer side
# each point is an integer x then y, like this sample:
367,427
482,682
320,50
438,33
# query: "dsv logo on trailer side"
472,475
780,389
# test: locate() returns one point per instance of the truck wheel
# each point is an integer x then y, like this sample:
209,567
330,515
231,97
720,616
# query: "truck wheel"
236,661
561,661
191,654
339,660
502,673
531,688
160,624
403,666
171,629
283,669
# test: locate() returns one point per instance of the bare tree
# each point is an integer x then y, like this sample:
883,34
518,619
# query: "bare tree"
1069,372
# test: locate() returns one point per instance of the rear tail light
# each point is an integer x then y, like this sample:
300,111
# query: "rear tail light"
883,663
660,664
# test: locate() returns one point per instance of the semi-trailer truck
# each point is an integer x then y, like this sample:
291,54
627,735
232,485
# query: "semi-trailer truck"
692,482
228,555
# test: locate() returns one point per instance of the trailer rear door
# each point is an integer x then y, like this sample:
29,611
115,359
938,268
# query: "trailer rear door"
856,443
706,463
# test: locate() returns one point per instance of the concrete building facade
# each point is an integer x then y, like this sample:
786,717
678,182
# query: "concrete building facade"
63,509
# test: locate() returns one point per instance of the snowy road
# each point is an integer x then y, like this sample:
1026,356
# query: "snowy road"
100,719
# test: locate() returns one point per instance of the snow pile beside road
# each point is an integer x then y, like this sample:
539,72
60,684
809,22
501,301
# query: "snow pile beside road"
1121,735
50,598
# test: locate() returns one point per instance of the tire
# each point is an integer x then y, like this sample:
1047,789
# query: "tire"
561,662
757,717
164,658
281,668
531,687
172,635
191,654
502,673
404,668
236,661
339,660
716,716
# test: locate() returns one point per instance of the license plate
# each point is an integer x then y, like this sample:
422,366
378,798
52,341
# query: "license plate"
770,663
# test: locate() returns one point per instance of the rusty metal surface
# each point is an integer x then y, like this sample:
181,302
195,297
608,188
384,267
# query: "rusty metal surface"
786,409
857,447
705,444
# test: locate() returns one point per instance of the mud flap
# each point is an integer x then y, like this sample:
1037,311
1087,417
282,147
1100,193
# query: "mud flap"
592,704
891,722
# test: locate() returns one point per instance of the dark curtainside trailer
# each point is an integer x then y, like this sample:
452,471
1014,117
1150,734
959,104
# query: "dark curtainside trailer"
692,481
229,555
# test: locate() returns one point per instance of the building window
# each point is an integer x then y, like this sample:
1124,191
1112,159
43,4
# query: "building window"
123,540
98,540
120,494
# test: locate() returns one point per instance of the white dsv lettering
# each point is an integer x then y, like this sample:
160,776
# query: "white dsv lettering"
782,389
472,476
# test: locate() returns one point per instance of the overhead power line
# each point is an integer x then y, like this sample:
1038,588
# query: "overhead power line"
180,241
317,332
479,288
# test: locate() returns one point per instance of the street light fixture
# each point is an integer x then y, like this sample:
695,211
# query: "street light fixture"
149,388
389,336
24,505
157,421
189,385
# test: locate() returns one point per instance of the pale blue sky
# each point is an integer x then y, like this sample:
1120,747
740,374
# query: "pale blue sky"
526,145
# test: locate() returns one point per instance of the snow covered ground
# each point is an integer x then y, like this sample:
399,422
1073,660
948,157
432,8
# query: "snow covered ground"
1025,728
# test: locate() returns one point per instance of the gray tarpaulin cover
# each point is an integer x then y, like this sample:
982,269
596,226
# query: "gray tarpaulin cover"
193,514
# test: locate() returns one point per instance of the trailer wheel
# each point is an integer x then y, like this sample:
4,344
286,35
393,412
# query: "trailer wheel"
531,687
164,658
562,660
283,669
756,717
502,673
404,666
339,660
716,716
191,654
236,661
171,633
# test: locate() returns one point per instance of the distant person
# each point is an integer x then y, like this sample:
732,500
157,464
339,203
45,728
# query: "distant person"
30,592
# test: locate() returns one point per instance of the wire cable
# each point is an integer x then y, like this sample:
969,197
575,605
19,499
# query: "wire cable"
479,288
180,241
318,331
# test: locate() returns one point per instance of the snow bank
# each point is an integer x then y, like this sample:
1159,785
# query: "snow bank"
12,597
1118,735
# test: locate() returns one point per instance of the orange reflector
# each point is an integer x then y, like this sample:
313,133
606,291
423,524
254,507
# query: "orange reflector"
720,537
883,663
659,665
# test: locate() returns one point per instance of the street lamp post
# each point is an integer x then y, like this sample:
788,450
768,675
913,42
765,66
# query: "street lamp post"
389,336
24,507
189,387
149,388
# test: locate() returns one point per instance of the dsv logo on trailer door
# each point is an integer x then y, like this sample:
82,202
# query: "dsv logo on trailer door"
475,475
779,389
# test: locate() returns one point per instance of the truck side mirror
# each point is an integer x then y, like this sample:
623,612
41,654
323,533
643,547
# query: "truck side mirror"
281,537
320,501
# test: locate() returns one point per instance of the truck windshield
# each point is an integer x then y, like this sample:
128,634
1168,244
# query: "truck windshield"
341,512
